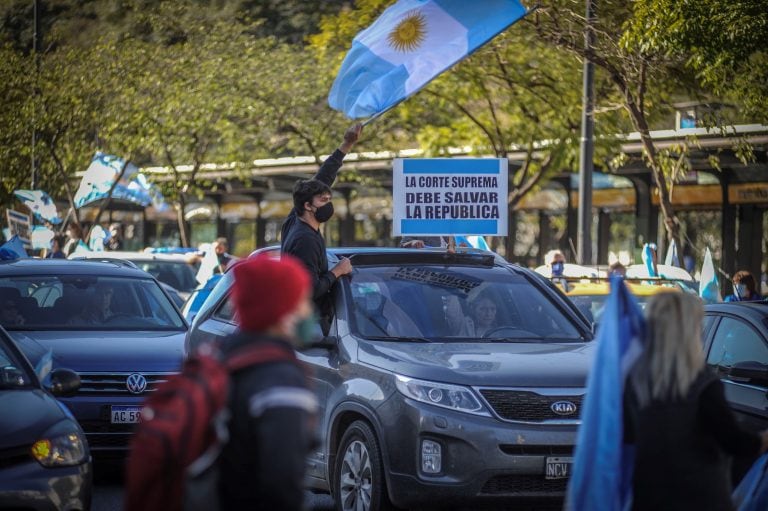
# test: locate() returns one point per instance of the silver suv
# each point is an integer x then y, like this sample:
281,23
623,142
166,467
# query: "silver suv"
444,379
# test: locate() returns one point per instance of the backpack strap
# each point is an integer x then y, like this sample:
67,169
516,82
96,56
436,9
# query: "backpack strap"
259,354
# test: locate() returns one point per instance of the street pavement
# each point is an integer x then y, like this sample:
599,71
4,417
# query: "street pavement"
108,492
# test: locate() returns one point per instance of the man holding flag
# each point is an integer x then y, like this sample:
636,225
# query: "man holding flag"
300,233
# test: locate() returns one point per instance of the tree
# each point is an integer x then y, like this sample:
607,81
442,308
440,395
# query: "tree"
644,78
514,95
724,42
59,100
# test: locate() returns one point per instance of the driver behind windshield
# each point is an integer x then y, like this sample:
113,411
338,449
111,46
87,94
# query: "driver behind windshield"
482,316
97,308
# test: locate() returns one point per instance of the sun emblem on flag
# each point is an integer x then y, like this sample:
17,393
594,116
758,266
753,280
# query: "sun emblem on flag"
409,32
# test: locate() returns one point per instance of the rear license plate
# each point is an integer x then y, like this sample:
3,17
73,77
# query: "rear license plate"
558,468
124,414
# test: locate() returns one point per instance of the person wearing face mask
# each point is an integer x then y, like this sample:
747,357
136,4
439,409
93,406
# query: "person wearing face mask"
272,408
300,233
744,288
556,262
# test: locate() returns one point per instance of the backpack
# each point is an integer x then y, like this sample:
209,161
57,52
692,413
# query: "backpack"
183,428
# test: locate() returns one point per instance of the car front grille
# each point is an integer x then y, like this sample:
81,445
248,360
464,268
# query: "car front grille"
524,485
98,441
15,456
115,384
536,450
527,406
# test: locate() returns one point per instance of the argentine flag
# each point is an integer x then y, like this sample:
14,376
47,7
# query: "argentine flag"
709,287
40,203
602,466
411,43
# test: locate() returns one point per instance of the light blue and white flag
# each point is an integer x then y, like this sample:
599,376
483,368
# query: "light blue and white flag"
12,249
709,287
44,365
672,258
411,43
472,241
602,469
649,259
41,237
131,186
40,203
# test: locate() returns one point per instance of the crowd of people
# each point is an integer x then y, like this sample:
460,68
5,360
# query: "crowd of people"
675,413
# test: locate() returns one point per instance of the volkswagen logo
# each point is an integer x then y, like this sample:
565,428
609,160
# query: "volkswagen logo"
136,383
563,407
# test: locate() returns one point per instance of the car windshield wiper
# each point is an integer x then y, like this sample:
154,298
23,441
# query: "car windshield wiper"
397,339
513,339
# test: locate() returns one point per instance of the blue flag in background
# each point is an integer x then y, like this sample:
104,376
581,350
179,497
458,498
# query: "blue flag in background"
12,249
672,258
132,186
472,241
411,43
709,288
752,492
40,203
602,469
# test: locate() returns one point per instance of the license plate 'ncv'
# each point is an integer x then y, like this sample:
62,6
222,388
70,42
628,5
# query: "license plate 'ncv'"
557,468
125,414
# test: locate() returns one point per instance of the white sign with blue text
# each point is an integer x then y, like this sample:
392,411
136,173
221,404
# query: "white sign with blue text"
449,196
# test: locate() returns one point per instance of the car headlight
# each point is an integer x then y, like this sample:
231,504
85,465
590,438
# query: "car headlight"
61,446
454,397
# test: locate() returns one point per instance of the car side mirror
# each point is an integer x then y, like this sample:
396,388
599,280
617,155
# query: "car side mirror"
749,372
64,382
12,377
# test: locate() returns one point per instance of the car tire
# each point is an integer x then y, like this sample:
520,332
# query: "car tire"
359,482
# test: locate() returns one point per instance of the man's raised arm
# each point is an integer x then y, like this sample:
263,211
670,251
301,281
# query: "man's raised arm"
331,166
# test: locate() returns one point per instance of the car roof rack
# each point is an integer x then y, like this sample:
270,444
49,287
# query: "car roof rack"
114,260
415,256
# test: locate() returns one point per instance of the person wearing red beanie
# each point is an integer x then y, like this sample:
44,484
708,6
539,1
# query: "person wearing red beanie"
266,289
272,408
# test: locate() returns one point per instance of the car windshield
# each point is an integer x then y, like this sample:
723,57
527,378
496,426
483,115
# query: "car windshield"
179,275
592,305
12,372
453,304
85,302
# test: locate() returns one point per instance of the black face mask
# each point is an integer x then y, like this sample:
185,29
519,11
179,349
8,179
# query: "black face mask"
324,212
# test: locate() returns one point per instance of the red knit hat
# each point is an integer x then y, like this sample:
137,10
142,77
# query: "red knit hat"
267,288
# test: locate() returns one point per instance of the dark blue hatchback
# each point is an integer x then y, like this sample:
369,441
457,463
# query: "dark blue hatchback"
111,323
44,459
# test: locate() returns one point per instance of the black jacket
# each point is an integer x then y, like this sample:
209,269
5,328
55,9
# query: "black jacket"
271,432
682,447
308,245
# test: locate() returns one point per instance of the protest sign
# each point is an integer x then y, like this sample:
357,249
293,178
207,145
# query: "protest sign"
444,196
20,225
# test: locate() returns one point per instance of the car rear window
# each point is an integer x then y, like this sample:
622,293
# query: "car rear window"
453,304
85,302
178,275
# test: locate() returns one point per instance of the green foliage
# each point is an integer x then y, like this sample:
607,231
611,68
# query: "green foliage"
724,41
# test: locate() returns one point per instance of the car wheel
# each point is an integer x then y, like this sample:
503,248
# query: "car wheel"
359,472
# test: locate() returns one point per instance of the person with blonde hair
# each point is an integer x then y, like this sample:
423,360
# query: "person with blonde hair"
676,415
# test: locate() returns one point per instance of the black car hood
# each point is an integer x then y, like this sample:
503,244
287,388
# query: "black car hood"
491,364
105,350
34,411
